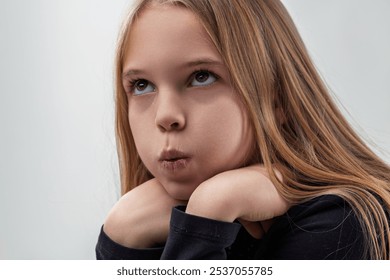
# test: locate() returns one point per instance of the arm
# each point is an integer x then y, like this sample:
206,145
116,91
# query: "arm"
138,224
193,237
140,219
206,227
322,228
246,194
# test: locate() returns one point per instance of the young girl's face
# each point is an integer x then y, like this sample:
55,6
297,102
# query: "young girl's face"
187,121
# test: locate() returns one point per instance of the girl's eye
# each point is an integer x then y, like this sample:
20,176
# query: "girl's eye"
141,87
203,78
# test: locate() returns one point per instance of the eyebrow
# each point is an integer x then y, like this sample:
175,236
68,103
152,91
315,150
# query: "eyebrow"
204,61
193,63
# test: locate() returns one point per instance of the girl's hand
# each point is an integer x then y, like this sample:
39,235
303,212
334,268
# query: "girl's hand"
246,194
140,219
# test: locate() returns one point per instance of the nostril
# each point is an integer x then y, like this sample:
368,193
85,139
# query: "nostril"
175,125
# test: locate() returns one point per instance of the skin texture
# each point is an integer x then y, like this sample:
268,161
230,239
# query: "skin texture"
140,219
174,106
206,121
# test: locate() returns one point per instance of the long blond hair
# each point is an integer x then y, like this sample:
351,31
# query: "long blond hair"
297,126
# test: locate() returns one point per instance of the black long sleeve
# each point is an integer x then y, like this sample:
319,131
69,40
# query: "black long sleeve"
192,237
107,249
322,228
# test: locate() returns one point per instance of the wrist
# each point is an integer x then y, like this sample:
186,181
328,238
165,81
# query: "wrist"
212,202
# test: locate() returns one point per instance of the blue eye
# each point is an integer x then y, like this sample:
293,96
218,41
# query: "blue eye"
141,87
203,78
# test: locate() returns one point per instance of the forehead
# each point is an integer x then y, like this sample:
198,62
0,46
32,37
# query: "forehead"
166,29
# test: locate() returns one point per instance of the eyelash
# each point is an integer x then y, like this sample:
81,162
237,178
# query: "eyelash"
133,82
192,76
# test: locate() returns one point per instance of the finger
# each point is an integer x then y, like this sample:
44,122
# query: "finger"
253,228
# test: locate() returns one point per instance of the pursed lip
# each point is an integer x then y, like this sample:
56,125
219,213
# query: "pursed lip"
173,155
172,161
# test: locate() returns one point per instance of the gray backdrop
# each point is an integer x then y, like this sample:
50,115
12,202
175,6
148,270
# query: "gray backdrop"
58,169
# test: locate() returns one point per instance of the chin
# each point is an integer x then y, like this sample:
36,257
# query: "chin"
179,191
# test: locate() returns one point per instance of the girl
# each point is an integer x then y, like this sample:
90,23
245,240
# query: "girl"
230,145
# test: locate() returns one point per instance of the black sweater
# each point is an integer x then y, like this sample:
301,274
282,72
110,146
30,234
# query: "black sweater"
323,228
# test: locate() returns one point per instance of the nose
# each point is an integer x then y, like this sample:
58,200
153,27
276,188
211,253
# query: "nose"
170,114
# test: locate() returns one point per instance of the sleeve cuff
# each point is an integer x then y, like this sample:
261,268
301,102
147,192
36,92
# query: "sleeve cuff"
220,232
198,238
108,249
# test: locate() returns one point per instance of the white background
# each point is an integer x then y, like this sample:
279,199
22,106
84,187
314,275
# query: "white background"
58,169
